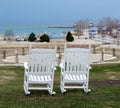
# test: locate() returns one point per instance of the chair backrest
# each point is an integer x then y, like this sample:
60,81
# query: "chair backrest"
76,59
42,60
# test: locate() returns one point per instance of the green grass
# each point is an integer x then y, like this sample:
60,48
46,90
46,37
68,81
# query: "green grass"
105,72
12,94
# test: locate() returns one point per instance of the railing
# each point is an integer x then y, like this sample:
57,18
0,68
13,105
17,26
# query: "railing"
17,52
108,54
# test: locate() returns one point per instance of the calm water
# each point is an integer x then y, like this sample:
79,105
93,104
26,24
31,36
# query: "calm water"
37,28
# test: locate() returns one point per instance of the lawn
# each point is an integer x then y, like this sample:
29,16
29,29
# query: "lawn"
12,94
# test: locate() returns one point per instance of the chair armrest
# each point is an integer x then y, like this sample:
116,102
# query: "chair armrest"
26,65
90,67
61,65
26,73
62,73
55,68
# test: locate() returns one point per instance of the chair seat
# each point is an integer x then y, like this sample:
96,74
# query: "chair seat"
70,77
38,78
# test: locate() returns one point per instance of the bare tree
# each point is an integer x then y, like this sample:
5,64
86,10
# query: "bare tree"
109,23
111,28
100,25
116,36
115,23
81,25
8,34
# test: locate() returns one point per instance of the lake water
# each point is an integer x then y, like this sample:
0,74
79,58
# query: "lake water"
37,28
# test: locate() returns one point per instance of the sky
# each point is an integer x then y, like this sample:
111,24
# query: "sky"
57,10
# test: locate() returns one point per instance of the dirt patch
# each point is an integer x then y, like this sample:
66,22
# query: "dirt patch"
112,75
4,79
7,76
102,83
99,83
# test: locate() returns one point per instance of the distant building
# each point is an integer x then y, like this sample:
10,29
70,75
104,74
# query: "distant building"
105,30
93,31
91,24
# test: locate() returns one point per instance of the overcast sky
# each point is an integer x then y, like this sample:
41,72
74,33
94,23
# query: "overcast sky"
57,10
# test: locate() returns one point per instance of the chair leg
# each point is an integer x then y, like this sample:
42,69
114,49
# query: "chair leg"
26,88
86,90
62,87
50,90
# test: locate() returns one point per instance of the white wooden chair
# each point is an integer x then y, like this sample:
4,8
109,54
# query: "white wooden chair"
39,70
75,69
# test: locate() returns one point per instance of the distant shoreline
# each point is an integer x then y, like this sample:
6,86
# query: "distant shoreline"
37,28
60,27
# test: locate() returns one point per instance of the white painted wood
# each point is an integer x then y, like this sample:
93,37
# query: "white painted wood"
75,69
40,70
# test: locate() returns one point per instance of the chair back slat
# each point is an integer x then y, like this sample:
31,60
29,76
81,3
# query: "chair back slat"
41,60
76,59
